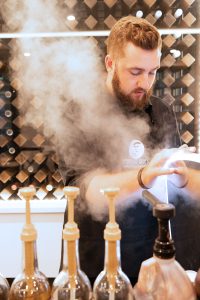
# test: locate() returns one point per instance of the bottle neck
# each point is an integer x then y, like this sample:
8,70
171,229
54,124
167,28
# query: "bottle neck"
164,245
70,257
29,261
112,257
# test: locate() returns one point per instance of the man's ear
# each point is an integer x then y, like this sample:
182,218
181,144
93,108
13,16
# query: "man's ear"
108,63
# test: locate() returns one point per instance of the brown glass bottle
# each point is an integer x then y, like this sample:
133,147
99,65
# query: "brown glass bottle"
71,283
31,283
4,288
112,283
197,284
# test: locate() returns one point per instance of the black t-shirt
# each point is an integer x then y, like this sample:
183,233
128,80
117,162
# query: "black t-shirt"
138,226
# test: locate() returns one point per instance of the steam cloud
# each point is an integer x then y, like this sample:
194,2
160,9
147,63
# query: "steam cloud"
63,88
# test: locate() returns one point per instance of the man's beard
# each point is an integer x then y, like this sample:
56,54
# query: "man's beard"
126,101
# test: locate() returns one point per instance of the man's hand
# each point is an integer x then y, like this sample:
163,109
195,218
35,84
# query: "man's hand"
157,167
180,176
163,164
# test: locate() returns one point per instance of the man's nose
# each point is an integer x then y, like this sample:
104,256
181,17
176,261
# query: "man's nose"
144,82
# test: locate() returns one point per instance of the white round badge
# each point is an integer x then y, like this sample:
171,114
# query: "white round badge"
136,149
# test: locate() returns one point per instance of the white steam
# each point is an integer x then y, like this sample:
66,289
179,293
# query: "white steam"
63,88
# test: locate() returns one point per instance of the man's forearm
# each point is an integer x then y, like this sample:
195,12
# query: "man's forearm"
126,181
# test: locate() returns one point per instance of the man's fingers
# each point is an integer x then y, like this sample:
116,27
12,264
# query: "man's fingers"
164,171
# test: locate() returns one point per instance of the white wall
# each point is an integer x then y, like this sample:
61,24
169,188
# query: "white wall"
47,217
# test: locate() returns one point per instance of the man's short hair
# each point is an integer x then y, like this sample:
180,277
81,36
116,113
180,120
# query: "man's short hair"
135,30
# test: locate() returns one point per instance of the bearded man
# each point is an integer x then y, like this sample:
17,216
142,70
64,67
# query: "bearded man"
132,60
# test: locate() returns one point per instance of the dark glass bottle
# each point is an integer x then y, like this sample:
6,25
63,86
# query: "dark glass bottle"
162,277
31,283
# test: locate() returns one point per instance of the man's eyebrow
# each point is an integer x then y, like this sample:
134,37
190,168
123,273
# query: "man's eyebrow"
142,69
137,69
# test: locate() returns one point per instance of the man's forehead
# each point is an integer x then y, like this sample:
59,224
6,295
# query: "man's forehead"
130,48
143,60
